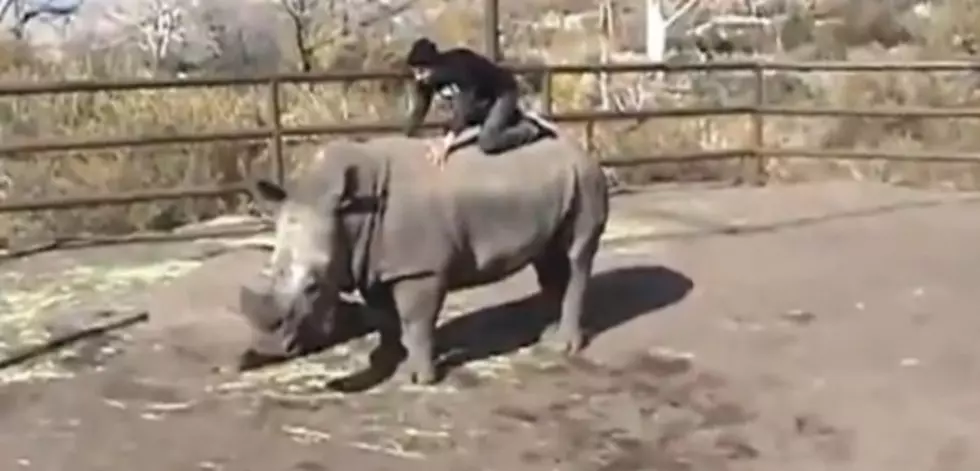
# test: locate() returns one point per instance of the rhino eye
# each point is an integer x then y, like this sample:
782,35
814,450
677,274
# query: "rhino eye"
311,286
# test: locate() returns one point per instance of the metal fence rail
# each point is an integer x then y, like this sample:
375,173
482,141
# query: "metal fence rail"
34,146
276,132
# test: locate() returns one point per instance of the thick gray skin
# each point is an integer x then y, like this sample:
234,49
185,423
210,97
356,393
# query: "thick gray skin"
478,221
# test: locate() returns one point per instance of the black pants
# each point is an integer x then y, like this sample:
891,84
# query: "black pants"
504,127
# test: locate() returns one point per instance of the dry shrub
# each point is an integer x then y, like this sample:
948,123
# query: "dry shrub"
891,134
868,32
673,136
135,113
151,113
951,31
873,22
627,139
163,112
458,25
121,114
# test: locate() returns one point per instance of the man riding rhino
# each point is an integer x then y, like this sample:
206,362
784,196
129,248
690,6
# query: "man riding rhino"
482,93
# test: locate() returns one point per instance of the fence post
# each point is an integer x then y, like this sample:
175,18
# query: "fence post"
547,101
491,28
278,165
759,176
590,137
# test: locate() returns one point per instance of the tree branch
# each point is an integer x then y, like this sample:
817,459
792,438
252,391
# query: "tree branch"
680,12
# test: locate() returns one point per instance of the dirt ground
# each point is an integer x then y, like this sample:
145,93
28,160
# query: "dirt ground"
805,327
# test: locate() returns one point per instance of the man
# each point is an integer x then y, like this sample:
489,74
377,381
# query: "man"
482,93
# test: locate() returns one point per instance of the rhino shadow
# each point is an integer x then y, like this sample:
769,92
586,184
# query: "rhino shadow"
615,297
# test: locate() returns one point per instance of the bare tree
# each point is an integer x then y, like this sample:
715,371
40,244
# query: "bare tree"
320,23
25,12
307,22
658,26
237,38
335,23
157,26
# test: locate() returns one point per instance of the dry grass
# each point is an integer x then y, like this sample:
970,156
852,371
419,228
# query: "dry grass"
898,134
37,306
146,112
136,113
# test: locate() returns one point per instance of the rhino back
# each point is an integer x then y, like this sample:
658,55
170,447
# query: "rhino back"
482,217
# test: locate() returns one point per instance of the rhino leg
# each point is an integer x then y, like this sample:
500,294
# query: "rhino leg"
569,333
563,274
565,291
419,301
385,317
553,272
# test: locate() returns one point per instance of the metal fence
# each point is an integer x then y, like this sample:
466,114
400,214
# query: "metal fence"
275,133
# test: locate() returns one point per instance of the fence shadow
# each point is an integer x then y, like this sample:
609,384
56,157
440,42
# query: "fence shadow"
707,228
615,297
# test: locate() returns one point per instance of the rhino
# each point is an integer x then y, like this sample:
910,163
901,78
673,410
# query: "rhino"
376,217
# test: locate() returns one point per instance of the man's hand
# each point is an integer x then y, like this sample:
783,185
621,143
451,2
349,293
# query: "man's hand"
439,154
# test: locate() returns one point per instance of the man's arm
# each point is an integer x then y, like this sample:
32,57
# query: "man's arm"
421,101
462,109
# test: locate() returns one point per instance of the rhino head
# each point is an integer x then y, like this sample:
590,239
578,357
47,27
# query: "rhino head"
292,308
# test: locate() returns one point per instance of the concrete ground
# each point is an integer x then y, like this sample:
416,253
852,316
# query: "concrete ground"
804,327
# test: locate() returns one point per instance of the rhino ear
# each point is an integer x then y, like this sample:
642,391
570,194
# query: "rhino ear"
270,191
351,199
347,189
349,184
269,196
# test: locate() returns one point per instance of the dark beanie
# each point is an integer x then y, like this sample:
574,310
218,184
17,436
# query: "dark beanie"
423,52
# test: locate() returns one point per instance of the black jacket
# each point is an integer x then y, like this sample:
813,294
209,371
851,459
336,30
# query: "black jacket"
473,83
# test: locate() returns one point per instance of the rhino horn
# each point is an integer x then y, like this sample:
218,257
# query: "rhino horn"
256,304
